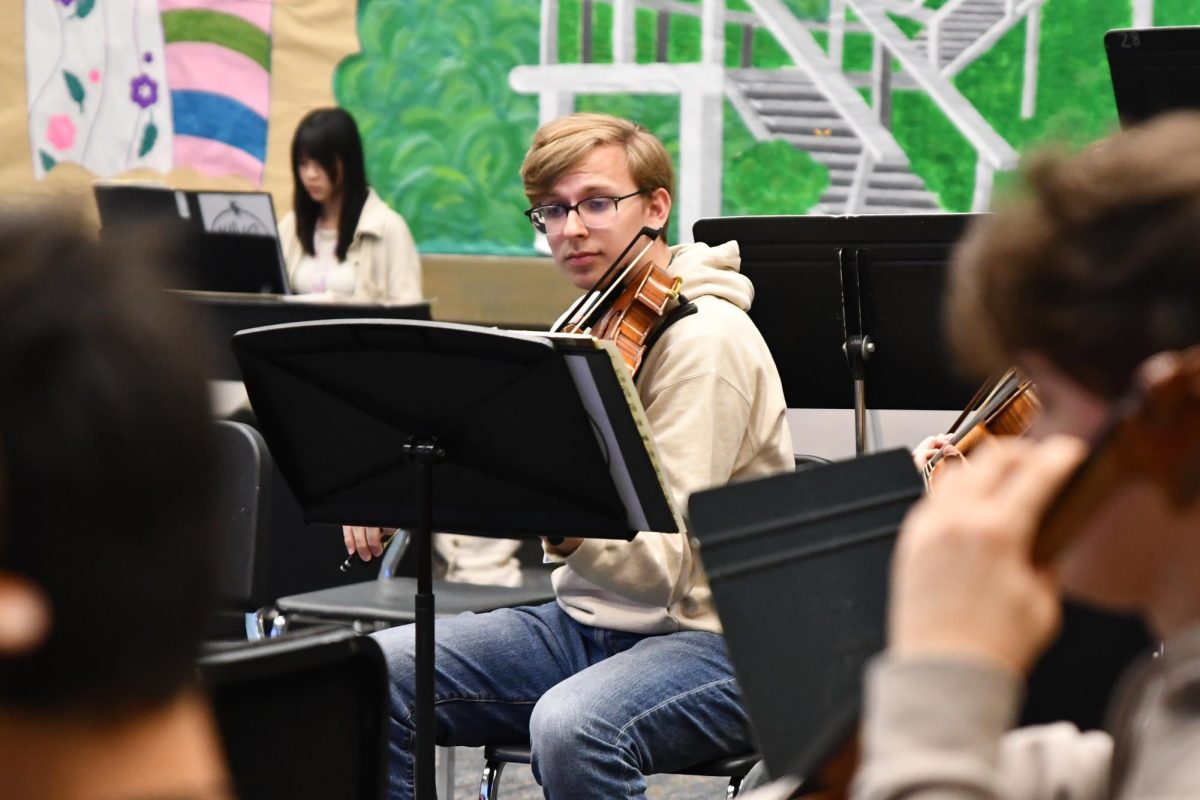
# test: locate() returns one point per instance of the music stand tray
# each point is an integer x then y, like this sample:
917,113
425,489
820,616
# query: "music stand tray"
1153,70
435,426
227,313
819,544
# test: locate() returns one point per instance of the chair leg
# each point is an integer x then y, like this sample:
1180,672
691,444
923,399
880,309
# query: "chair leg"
489,784
735,786
445,789
266,623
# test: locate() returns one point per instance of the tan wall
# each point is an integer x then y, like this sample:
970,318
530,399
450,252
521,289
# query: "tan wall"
496,290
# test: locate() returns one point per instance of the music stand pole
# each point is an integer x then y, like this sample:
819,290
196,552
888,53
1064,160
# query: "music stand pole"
857,346
424,453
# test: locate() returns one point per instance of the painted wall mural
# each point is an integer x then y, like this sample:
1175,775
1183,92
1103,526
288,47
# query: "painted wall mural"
96,83
113,85
780,108
218,55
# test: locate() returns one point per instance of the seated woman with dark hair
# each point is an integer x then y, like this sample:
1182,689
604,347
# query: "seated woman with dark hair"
341,239
107,548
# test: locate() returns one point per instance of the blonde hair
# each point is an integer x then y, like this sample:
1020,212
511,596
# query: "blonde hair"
559,145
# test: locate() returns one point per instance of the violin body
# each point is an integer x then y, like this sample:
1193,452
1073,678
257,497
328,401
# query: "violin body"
1008,409
1153,434
629,309
636,314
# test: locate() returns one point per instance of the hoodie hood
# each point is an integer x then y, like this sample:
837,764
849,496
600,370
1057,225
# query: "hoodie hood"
712,271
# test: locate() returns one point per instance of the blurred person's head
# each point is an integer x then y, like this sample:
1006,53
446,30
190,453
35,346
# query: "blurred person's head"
106,473
328,170
1081,281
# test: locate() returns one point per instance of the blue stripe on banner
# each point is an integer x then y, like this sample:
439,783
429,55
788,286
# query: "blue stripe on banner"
223,119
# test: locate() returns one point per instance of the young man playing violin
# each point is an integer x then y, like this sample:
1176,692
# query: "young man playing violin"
1092,286
625,673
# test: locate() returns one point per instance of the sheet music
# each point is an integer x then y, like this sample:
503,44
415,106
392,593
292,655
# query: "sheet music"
580,367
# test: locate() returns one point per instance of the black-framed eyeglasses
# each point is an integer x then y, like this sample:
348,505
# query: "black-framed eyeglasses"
594,212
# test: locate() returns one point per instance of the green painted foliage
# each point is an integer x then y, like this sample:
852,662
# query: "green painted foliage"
149,137
444,134
74,88
770,178
1074,98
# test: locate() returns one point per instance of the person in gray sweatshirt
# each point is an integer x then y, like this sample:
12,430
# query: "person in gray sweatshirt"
1091,284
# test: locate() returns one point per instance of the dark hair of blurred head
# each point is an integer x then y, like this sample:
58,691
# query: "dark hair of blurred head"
330,137
1096,267
105,447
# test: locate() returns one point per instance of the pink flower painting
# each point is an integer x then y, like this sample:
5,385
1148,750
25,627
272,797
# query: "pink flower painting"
60,132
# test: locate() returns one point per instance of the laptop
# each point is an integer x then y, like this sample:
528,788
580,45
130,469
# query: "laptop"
230,242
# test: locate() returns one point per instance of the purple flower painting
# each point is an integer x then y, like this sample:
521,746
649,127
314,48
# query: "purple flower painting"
143,90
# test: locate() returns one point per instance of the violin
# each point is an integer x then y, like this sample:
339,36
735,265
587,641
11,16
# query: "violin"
1007,407
627,305
1153,432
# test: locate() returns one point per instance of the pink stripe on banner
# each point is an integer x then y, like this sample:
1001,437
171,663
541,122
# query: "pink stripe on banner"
256,12
216,158
219,70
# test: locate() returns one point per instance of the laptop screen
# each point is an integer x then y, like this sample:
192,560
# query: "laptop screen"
232,243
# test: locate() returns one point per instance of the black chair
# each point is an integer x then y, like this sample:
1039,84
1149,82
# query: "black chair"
267,549
496,756
806,460
388,600
302,715
243,517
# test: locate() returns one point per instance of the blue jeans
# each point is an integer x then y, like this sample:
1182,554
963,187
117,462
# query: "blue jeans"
600,708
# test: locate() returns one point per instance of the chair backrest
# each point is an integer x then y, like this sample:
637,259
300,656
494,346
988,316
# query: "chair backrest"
302,715
807,460
243,508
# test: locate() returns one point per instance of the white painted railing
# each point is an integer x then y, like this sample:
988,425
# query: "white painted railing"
799,44
992,151
701,86
1013,13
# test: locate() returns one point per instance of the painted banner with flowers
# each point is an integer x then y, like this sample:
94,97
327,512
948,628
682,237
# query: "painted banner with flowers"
114,85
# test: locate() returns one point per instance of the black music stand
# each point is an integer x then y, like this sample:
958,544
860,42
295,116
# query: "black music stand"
227,313
851,307
828,531
1153,70
527,435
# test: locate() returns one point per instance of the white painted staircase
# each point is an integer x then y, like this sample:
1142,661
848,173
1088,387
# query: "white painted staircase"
786,104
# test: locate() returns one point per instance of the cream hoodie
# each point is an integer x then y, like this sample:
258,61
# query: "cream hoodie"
713,399
387,267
